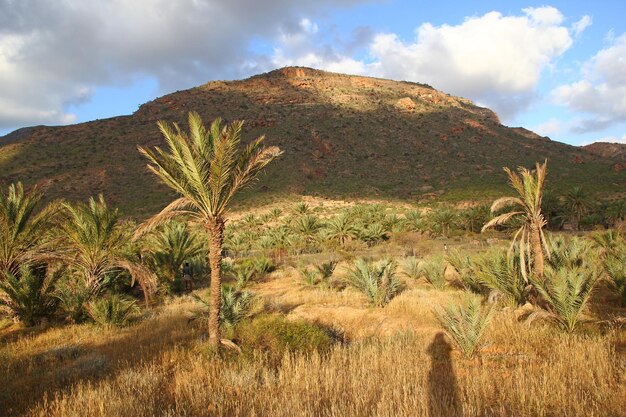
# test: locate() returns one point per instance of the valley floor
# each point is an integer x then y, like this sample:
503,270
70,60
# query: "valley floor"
391,361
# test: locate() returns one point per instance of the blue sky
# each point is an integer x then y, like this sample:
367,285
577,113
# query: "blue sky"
557,68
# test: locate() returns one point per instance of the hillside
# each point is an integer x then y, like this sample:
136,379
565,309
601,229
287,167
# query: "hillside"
343,136
607,150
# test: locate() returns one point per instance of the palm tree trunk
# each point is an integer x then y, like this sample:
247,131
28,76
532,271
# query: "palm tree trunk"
535,241
215,229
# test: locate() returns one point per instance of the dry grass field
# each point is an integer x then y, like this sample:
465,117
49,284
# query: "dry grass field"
391,361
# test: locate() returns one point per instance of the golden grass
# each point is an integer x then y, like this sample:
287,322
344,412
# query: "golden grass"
395,365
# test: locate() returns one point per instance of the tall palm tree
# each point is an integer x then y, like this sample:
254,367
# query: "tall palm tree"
22,227
577,203
206,168
527,210
97,246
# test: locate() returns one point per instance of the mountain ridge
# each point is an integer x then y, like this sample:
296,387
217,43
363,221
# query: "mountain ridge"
344,136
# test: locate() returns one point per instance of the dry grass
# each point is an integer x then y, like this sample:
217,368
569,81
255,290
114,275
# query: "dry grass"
395,364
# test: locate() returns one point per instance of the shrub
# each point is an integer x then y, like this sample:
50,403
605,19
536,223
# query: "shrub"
465,268
236,306
616,269
466,324
569,253
113,310
244,273
566,292
278,335
434,272
263,265
73,294
499,273
414,222
309,276
410,267
377,281
325,272
373,234
29,296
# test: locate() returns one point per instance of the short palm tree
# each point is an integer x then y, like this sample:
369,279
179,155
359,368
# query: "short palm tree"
29,296
307,226
167,248
206,168
22,227
378,281
566,292
527,210
443,220
96,246
341,228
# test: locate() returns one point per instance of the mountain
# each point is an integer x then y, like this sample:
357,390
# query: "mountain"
607,150
343,137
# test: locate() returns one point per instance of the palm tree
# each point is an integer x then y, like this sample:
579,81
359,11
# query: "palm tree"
341,228
307,226
170,246
206,168
526,209
22,228
97,246
577,203
443,219
473,217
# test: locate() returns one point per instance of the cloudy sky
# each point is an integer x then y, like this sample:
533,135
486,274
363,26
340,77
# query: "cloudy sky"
558,68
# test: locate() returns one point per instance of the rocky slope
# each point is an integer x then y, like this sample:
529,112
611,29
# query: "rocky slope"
342,136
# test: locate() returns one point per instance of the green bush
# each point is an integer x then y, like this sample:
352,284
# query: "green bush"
244,273
276,334
310,277
29,296
464,266
410,267
236,306
112,310
616,269
466,324
378,281
434,271
73,294
566,292
499,273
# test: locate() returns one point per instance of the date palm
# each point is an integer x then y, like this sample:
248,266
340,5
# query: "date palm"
170,246
97,246
577,203
206,168
341,228
527,210
22,227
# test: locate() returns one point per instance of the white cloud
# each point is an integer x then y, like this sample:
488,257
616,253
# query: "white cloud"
579,27
550,127
300,46
494,59
613,139
601,92
56,53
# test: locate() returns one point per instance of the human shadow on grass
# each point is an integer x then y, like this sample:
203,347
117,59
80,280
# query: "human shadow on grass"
443,399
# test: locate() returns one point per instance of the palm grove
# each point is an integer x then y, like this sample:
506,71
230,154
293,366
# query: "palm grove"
81,261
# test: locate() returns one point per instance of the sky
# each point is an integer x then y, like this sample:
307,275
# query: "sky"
557,68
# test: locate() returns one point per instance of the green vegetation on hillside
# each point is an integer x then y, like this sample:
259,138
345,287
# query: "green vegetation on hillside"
328,306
